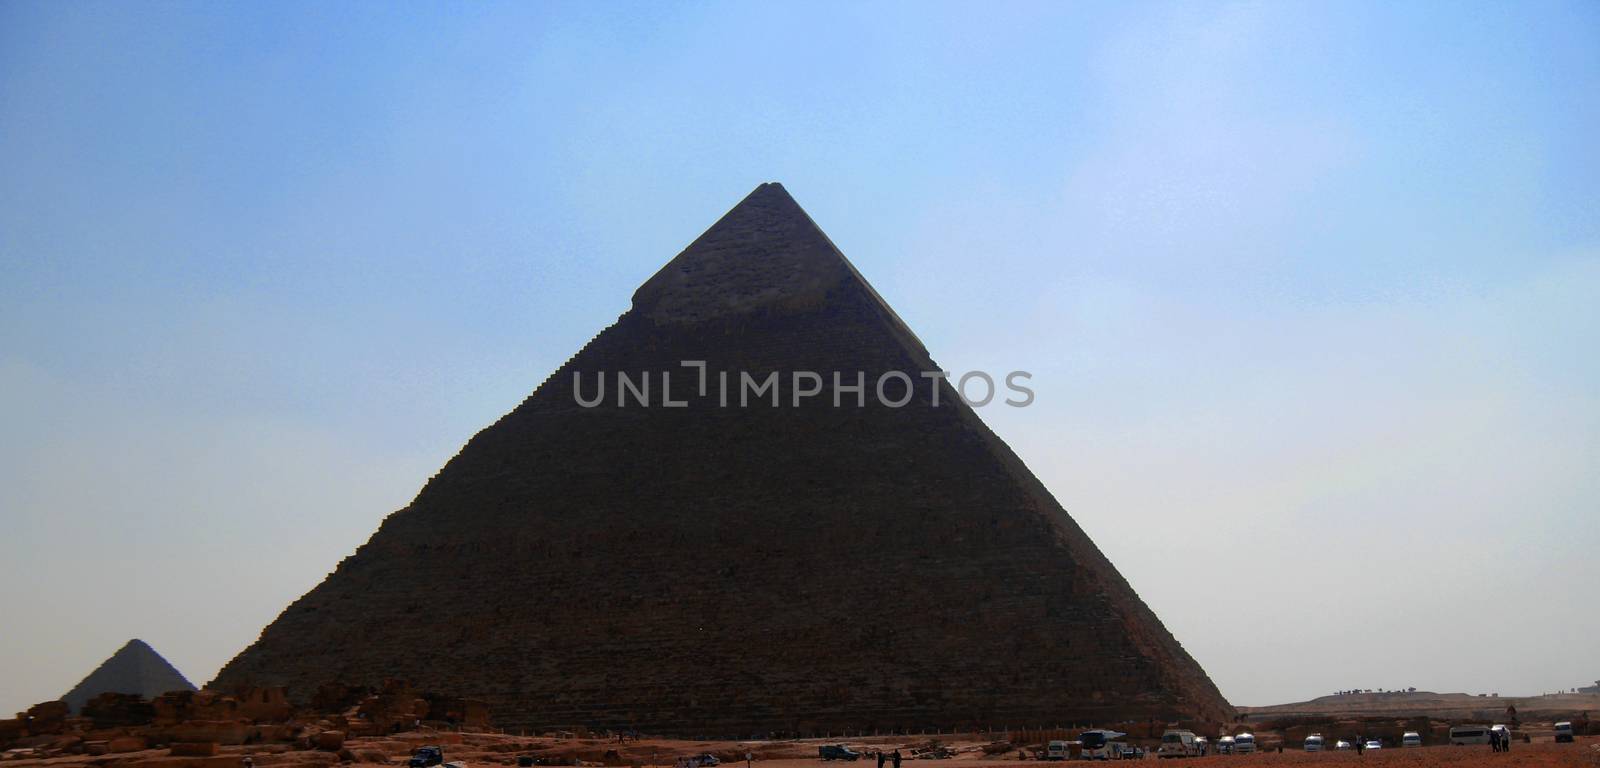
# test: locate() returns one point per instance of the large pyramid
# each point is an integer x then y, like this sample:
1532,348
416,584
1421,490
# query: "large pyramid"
134,668
738,570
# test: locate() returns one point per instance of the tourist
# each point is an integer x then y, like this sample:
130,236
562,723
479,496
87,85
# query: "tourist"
881,758
1494,741
897,758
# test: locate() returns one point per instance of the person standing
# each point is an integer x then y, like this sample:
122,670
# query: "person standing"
881,758
897,758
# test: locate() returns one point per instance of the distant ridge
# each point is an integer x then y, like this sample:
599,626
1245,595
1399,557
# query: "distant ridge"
1425,703
134,668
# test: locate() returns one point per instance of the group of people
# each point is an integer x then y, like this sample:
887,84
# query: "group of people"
894,758
1499,741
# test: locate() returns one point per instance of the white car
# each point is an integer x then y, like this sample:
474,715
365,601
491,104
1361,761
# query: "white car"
1314,742
1374,744
1411,739
1342,744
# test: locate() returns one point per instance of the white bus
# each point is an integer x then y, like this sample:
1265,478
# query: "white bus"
1100,744
1410,739
1244,743
1469,734
1314,742
1563,731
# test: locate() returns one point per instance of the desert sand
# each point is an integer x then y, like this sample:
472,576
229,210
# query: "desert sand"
494,749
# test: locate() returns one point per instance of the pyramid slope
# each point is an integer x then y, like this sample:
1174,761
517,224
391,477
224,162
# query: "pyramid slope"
134,668
732,571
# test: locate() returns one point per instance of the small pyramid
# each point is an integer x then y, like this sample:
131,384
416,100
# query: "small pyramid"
730,569
134,668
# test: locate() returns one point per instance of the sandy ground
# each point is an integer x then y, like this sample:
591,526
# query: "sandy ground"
494,750
1585,752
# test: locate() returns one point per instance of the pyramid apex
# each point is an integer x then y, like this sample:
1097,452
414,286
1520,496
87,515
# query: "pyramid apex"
137,645
765,254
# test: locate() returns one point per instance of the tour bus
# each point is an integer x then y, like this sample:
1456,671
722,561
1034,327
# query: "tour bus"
1410,739
1177,744
1314,742
1563,731
1469,734
1057,750
1225,745
1100,744
1244,743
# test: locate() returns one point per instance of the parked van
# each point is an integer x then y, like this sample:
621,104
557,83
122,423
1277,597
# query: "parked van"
1314,742
1225,745
1177,744
1563,731
1057,750
1244,743
1410,739
1469,734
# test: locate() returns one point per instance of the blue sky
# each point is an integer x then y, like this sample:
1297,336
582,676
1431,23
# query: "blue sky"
1309,290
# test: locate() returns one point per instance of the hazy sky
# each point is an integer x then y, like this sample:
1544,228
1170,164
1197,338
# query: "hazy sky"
1309,290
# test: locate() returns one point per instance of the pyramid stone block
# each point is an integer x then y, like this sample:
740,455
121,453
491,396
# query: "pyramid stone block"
737,570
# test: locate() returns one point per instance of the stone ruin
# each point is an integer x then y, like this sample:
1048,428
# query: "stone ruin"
726,571
195,723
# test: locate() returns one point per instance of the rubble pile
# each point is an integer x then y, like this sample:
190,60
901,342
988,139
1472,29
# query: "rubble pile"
194,729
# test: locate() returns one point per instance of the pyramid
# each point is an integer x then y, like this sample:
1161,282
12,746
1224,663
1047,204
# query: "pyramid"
705,570
134,668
